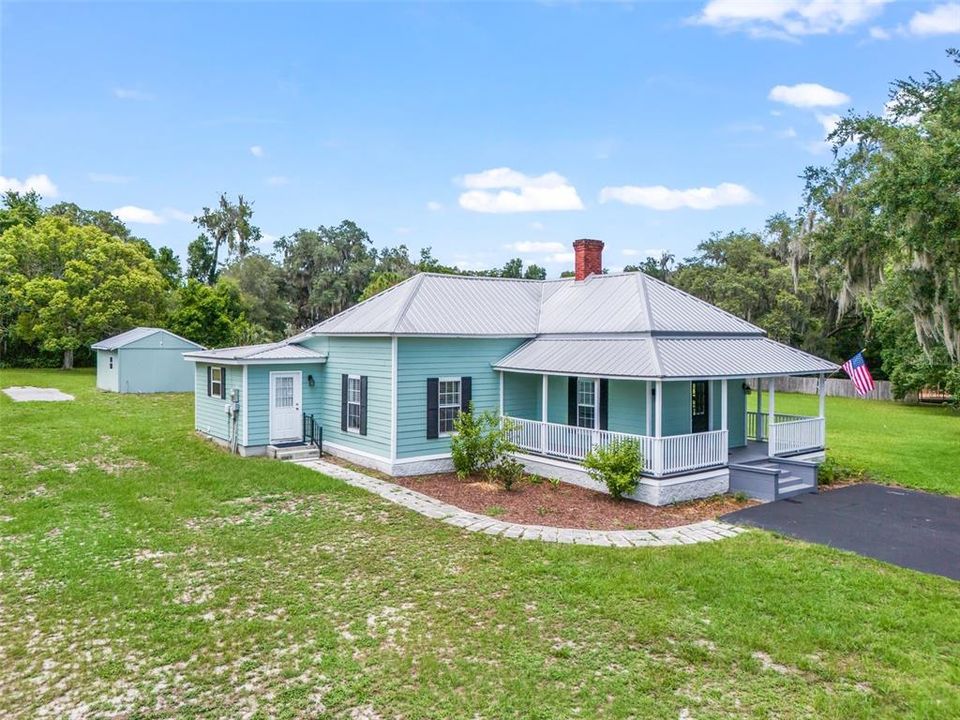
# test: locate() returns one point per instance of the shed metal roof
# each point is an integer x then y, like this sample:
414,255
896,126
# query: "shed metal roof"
652,357
130,336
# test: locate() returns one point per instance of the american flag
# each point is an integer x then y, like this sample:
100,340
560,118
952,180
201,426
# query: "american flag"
856,368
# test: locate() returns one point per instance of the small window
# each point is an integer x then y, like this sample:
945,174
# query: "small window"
586,403
449,405
111,362
353,403
216,382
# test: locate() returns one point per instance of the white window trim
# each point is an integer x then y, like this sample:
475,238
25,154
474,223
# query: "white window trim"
459,382
111,362
359,403
219,393
596,403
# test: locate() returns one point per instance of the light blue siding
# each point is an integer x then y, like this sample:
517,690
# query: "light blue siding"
676,408
258,398
557,399
626,409
521,395
422,358
154,364
108,378
210,416
370,356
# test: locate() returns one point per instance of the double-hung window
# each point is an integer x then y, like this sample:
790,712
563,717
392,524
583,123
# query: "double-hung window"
353,403
448,405
586,403
216,382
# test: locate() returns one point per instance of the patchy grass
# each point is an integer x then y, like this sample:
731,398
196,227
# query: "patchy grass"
170,579
915,446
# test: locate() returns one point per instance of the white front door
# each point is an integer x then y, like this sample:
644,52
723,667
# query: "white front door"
286,394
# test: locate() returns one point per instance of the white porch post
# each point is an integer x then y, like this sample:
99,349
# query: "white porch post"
501,393
545,387
771,413
658,443
723,404
822,392
648,425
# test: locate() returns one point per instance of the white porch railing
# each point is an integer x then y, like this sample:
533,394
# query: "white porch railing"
757,423
661,456
796,435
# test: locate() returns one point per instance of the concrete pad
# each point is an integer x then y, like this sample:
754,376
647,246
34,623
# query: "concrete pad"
36,394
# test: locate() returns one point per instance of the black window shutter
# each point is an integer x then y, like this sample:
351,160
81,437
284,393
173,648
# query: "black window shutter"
223,383
466,393
433,408
363,404
604,402
343,402
209,381
571,401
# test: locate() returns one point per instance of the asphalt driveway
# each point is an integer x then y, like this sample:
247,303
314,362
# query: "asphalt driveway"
904,527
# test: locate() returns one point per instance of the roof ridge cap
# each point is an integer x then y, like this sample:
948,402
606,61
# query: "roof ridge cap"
645,301
407,302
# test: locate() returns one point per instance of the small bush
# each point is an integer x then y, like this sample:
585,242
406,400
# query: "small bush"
481,442
617,465
507,472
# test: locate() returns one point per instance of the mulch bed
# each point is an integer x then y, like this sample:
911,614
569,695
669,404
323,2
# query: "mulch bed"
540,502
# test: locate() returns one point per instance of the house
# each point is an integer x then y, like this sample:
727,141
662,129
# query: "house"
573,362
144,360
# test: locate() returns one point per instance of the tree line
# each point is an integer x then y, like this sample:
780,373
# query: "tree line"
870,259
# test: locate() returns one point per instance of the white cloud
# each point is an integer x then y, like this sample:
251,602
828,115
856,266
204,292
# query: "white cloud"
535,246
109,178
828,122
434,206
658,197
537,225
131,94
941,20
502,190
180,215
256,151
789,133
787,19
277,180
267,239
41,184
564,257
134,214
878,33
807,95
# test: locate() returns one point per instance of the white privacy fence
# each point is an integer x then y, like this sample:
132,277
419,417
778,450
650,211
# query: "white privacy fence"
661,456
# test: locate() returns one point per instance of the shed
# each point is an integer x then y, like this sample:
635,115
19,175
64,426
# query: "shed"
144,360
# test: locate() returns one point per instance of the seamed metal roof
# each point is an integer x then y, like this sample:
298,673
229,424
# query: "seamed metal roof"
267,352
433,304
125,338
654,357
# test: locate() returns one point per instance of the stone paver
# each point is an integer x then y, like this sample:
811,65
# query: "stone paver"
705,531
36,394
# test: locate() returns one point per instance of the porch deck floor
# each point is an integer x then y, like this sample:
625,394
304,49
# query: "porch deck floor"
750,453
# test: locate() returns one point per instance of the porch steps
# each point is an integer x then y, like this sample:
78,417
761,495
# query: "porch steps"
777,481
294,452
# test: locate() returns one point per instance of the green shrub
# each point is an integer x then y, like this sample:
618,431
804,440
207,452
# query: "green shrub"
481,442
617,465
831,471
506,471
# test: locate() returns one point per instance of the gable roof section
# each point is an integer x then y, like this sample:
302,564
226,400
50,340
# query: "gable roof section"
431,304
283,351
131,336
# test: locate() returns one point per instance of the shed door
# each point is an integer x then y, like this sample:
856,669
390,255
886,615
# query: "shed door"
286,394
700,406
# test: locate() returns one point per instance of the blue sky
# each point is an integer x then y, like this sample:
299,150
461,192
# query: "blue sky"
486,131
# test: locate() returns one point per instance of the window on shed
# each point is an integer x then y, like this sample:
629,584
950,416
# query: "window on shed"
586,403
449,404
111,362
354,397
216,382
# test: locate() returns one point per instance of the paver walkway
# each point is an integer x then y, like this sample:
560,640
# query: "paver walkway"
35,394
706,531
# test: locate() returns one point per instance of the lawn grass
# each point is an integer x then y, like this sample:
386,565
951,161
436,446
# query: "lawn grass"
145,572
916,446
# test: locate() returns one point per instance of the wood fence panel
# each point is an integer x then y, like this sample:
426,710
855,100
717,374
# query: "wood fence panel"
836,387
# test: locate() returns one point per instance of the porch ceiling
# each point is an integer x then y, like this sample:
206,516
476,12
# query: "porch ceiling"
653,357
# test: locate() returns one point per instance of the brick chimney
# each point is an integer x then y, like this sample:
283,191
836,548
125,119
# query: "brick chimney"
589,258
